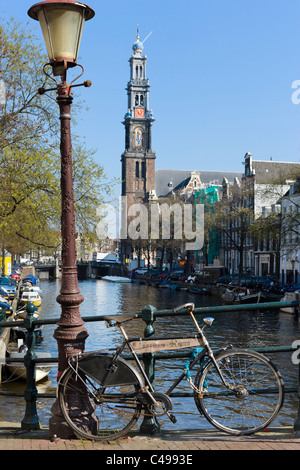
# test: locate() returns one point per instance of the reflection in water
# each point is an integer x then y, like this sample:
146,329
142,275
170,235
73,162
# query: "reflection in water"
242,329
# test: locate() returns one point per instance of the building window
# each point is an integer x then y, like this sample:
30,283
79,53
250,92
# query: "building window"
137,169
144,170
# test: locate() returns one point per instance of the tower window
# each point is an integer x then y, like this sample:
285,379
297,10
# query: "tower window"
137,169
142,100
136,71
144,170
136,100
141,72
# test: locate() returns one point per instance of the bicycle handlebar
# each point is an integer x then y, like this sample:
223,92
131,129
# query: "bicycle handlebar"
181,307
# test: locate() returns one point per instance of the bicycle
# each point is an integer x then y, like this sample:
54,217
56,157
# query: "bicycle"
102,395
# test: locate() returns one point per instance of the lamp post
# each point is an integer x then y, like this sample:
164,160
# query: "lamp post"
62,23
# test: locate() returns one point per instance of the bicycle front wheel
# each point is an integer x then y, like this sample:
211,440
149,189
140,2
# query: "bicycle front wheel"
253,400
95,415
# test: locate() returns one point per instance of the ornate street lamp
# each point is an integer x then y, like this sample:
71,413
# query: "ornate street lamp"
62,23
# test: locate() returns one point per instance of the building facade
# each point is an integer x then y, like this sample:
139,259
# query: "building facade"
290,235
138,159
263,184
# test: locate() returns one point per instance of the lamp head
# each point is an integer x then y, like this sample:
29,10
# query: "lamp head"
62,24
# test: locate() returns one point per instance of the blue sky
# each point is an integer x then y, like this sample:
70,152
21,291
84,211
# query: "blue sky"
221,75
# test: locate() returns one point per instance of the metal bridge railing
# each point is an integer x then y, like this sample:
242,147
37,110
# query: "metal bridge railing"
149,314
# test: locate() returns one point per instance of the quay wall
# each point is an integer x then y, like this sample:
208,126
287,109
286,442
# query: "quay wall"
4,338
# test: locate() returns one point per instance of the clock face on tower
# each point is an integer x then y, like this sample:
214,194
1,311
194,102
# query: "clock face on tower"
139,112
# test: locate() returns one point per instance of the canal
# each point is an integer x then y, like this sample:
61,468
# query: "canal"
241,329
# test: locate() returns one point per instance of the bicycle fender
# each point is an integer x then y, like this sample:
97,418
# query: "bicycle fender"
208,360
59,380
123,373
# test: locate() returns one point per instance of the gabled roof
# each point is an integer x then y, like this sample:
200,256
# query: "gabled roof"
173,180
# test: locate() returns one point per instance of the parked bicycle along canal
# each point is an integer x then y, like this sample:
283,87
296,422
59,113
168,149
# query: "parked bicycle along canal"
241,329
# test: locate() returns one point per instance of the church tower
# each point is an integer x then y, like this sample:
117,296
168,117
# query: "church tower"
138,160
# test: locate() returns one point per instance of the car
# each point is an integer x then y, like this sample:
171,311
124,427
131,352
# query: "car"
8,286
176,275
4,294
5,307
163,275
152,272
141,270
225,279
292,288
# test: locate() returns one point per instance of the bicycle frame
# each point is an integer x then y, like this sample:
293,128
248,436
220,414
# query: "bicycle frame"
159,344
144,345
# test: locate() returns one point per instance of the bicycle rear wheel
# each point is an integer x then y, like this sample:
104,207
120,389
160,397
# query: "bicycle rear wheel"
93,415
258,395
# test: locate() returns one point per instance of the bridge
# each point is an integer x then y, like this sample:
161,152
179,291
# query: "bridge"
86,270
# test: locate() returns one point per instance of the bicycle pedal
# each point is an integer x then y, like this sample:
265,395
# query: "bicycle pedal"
172,418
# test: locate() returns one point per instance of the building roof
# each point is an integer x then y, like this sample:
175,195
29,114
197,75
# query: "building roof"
270,171
266,171
173,180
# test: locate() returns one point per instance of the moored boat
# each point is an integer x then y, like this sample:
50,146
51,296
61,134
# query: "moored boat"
164,284
254,298
34,280
230,296
30,297
116,279
27,286
17,368
288,297
197,290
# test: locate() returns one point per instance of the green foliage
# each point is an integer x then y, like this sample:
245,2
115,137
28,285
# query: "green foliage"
30,203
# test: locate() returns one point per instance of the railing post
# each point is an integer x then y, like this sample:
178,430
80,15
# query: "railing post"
31,420
150,424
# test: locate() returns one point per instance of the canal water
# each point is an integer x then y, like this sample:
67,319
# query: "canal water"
241,329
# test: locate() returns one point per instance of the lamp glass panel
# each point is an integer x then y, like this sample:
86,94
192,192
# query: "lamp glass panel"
62,30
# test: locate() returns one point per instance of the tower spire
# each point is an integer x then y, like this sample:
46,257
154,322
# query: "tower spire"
137,45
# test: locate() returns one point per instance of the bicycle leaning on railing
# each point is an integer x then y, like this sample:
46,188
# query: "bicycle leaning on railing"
101,395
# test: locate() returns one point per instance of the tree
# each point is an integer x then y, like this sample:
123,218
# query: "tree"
267,232
26,119
233,217
29,156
